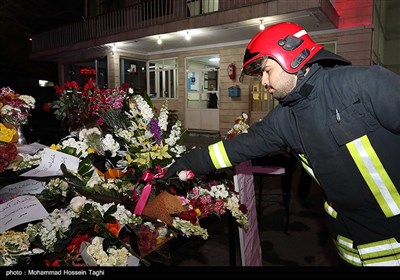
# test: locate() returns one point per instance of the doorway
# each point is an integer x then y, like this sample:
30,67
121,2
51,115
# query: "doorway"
202,93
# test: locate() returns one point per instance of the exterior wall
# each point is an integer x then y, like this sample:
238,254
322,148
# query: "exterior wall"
113,70
353,39
354,13
230,107
353,44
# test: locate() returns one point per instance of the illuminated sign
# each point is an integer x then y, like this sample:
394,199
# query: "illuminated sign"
87,71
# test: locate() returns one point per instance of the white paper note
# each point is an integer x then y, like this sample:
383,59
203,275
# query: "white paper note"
20,210
50,164
29,186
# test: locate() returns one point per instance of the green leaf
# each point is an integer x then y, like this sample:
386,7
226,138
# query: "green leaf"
69,150
85,167
110,210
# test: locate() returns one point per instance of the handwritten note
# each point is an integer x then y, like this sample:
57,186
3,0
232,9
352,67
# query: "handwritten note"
25,187
20,210
50,164
31,148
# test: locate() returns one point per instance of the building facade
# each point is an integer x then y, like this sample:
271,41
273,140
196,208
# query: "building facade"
190,51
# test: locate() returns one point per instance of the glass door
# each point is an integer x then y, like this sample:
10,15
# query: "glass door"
202,93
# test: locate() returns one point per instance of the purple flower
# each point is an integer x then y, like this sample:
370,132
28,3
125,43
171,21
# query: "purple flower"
155,129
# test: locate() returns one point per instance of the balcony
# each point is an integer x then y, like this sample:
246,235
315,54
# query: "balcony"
154,17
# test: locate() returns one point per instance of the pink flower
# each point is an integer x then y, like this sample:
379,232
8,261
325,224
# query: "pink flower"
186,175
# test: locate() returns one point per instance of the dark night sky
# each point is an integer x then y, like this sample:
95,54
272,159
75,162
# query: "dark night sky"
19,19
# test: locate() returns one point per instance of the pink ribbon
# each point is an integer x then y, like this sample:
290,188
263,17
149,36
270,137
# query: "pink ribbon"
147,177
143,199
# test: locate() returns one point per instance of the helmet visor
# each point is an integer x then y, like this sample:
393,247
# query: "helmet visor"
254,68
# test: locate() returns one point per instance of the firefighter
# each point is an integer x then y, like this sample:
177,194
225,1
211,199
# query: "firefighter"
342,122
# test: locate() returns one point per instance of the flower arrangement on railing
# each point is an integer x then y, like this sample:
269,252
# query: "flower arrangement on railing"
116,208
241,126
14,107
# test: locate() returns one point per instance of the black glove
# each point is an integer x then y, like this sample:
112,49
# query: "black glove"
198,160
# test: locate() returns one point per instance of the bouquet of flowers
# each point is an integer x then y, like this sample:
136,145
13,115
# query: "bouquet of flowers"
14,107
116,208
78,105
240,126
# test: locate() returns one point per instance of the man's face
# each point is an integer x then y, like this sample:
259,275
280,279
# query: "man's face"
277,81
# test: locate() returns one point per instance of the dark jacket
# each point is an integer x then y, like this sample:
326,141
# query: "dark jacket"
325,118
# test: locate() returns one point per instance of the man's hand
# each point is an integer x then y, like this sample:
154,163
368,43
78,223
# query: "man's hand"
197,160
177,166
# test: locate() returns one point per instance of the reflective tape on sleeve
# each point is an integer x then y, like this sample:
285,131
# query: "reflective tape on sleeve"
375,175
218,155
306,166
328,209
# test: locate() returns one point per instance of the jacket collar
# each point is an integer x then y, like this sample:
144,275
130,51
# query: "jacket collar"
302,89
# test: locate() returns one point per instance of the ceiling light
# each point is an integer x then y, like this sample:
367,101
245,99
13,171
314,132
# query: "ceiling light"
188,37
159,41
261,26
114,48
214,59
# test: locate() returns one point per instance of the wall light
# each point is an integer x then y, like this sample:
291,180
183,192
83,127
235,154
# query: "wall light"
261,26
188,37
113,49
159,41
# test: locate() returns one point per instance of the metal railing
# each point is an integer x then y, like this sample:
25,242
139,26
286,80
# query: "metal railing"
146,14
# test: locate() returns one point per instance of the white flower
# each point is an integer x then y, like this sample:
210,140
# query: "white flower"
80,147
163,117
110,145
84,133
6,110
77,203
29,101
58,186
219,191
188,229
144,108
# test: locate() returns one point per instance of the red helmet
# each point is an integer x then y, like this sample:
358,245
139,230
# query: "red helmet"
287,43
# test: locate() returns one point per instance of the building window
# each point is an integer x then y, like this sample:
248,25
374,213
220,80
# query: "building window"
163,78
133,73
82,71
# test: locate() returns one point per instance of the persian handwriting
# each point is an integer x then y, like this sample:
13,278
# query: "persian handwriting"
20,210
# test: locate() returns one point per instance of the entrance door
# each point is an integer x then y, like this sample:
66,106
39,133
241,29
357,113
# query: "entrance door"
202,93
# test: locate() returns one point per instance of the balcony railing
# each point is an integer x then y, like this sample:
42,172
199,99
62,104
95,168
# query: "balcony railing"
146,14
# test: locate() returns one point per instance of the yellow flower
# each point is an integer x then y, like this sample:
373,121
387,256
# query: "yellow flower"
90,150
198,212
143,158
128,158
56,147
6,134
160,152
